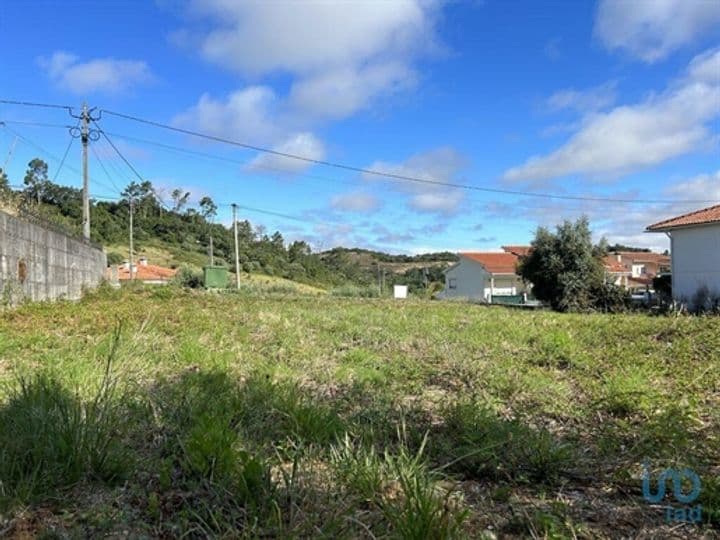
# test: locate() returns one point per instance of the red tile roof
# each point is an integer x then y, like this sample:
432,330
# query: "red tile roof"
612,265
698,217
147,272
520,251
495,263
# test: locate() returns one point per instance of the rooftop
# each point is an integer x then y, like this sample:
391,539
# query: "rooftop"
495,263
698,217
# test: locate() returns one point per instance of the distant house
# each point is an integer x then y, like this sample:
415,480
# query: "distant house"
485,276
695,249
635,269
143,271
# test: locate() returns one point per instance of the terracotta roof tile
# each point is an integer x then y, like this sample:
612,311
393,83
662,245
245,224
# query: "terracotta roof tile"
495,263
611,264
698,217
147,272
520,251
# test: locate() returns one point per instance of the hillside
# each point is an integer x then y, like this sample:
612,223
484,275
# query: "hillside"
287,415
179,235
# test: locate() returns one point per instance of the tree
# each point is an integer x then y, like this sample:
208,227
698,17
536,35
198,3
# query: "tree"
566,270
4,183
208,209
180,199
36,179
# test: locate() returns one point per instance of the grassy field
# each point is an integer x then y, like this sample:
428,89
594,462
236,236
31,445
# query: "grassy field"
163,413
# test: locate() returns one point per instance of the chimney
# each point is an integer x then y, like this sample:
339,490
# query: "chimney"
143,261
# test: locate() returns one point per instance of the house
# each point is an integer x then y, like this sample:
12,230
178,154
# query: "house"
635,269
695,249
615,271
143,271
484,276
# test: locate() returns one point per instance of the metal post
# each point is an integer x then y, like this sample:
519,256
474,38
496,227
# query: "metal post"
132,209
237,255
85,137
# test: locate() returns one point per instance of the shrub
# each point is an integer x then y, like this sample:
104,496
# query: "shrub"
113,258
705,301
186,277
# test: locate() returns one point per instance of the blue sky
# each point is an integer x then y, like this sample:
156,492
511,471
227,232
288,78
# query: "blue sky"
613,99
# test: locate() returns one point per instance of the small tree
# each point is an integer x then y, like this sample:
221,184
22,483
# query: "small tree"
36,179
566,270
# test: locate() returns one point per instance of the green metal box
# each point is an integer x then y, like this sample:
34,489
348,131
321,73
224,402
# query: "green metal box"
215,277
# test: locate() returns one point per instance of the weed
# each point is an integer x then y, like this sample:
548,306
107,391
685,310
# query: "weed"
51,438
481,445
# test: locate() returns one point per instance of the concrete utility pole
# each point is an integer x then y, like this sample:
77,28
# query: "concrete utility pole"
132,209
85,138
237,254
212,257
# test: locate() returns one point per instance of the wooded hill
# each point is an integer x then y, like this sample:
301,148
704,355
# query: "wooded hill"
177,234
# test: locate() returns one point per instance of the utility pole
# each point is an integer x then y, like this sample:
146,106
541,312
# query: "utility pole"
212,258
237,255
85,138
132,209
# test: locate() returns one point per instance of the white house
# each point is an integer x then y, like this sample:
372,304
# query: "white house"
482,276
695,249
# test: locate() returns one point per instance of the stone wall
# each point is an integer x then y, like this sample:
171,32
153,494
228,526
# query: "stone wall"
40,262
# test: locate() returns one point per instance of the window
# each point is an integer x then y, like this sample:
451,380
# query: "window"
452,283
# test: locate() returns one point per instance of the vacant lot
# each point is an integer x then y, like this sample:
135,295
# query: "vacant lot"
168,413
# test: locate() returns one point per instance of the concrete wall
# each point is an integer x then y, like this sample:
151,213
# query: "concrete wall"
40,263
695,260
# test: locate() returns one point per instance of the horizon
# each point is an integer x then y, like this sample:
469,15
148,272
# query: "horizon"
563,102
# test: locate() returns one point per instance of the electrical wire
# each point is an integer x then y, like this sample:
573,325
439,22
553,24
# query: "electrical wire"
35,104
395,176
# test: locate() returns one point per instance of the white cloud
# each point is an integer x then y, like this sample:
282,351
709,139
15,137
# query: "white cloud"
301,144
341,57
592,99
699,188
257,38
356,201
341,92
244,115
652,29
438,165
108,75
632,137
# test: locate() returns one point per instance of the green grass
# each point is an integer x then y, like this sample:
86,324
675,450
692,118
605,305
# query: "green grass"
280,412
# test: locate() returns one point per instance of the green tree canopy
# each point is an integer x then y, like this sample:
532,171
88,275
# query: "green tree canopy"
566,269
36,179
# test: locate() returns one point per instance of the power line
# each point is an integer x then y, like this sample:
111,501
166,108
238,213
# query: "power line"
396,176
35,104
130,166
35,124
48,153
62,161
102,166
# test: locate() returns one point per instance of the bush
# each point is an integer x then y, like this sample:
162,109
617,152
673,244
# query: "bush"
185,277
114,258
609,298
705,301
